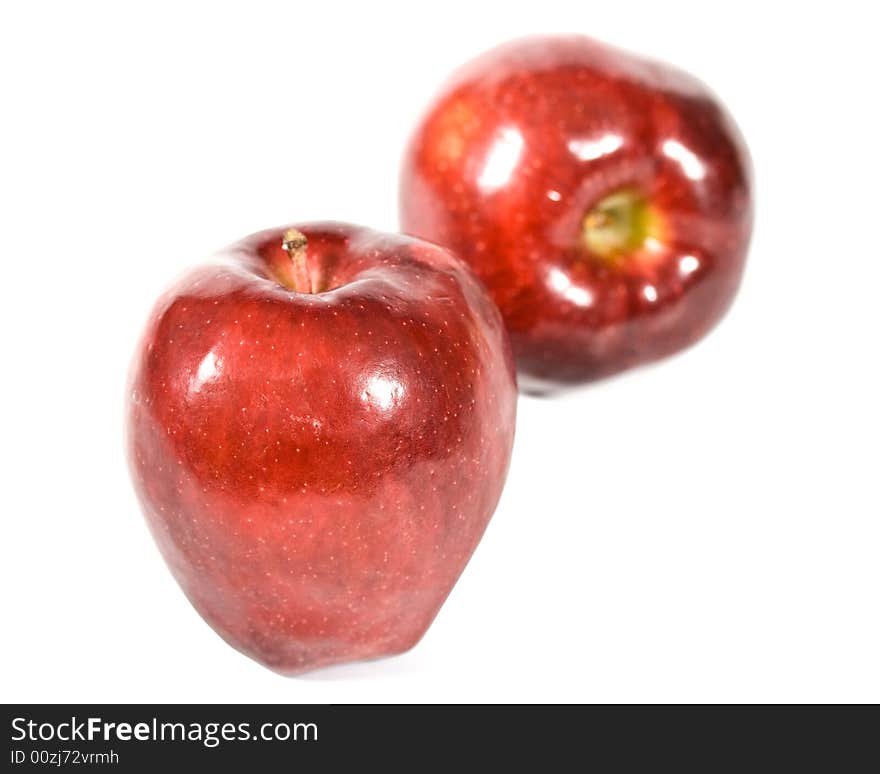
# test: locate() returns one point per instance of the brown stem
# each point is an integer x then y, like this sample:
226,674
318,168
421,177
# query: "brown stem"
295,243
597,219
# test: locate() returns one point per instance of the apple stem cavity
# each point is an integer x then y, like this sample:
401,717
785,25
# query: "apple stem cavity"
617,225
295,243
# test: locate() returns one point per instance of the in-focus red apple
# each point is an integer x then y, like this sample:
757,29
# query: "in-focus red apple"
320,424
603,198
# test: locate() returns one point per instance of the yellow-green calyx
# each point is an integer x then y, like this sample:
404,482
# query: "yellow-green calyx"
617,225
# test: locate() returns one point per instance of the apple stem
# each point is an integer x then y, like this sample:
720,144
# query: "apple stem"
295,242
597,219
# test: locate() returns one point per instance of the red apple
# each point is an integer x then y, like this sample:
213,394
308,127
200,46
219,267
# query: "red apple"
603,198
320,424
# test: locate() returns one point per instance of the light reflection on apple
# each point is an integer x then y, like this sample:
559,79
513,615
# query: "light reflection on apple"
562,283
692,167
688,264
502,159
383,391
589,149
208,370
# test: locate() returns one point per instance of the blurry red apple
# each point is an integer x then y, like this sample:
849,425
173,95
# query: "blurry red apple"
320,424
603,198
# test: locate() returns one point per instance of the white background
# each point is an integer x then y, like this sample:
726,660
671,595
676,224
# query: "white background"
701,530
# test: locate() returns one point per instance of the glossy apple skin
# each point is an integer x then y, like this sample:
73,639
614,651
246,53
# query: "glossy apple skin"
524,141
318,468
